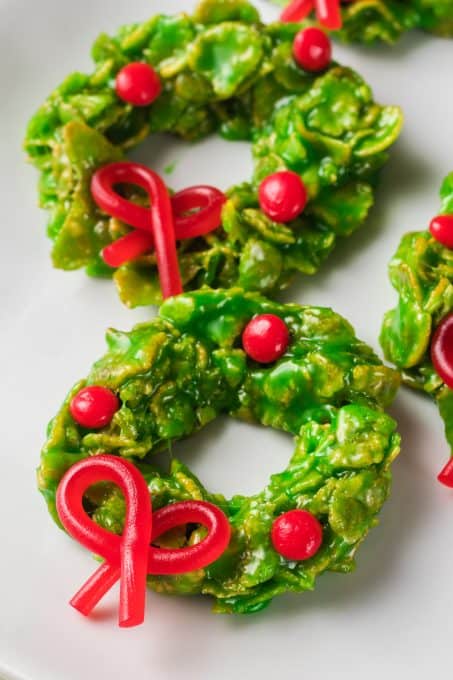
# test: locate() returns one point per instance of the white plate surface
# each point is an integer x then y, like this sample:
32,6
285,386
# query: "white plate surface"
393,617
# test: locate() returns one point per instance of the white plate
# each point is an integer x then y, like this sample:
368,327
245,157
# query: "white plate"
394,615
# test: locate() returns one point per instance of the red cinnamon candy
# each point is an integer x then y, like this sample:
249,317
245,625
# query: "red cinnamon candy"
130,557
441,229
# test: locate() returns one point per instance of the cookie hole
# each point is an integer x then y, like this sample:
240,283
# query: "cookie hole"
231,457
210,161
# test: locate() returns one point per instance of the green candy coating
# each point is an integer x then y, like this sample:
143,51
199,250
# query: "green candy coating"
421,271
178,372
222,71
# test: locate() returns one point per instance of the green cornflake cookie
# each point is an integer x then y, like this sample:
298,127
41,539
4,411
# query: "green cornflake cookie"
369,21
180,371
222,71
421,271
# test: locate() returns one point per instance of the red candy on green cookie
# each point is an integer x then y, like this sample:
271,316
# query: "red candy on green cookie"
282,196
441,229
94,406
312,50
138,84
297,535
265,338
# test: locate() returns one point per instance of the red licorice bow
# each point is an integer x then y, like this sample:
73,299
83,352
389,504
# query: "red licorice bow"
193,212
130,557
328,12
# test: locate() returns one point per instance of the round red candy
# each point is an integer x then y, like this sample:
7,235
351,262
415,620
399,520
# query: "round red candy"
442,350
441,228
312,49
297,535
94,406
282,196
138,84
265,338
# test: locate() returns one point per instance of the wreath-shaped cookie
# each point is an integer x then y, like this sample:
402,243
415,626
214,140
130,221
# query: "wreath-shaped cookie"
297,369
369,21
220,70
417,335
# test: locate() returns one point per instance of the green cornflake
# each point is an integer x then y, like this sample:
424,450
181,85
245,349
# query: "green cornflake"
222,71
421,271
170,168
179,371
369,21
